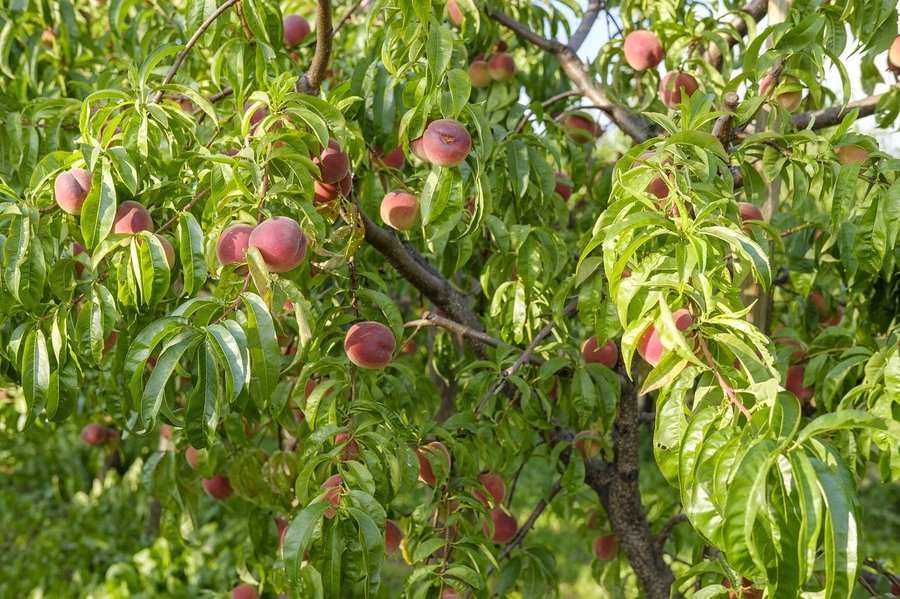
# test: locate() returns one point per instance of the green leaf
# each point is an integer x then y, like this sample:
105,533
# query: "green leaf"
154,391
191,253
265,355
35,369
845,419
298,537
747,248
228,355
202,409
99,209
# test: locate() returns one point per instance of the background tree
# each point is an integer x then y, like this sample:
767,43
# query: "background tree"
411,276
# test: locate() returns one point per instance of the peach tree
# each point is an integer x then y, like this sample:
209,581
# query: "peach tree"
360,266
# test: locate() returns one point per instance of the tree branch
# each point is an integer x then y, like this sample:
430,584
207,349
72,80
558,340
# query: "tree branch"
532,518
190,44
757,9
828,117
587,23
629,122
311,81
723,128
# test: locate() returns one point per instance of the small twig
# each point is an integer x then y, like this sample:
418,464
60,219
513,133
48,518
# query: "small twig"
190,44
163,14
722,382
523,120
797,229
347,15
828,117
667,529
529,523
757,9
876,565
587,23
430,319
197,197
647,417
220,95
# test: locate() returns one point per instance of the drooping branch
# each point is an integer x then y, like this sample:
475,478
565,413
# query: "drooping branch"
756,9
828,117
190,44
311,81
587,23
629,122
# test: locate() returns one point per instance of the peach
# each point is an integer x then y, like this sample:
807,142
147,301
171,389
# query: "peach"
893,62
562,187
851,154
393,159
131,217
217,487
110,341
296,28
333,163
626,274
400,210
94,434
168,249
505,526
650,345
657,185
258,115
327,192
479,73
282,526
746,590
749,211
836,317
790,100
502,67
233,243
450,593
454,14
393,535
417,147
334,489
350,451
794,383
71,188
643,50
243,591
604,547
370,345
586,444
495,487
581,128
821,305
281,242
672,85
192,456
446,142
426,473
77,248
607,355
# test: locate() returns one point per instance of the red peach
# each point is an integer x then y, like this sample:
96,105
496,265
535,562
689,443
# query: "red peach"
417,147
893,62
394,158
505,526
393,536
446,142
77,248
604,547
643,50
650,345
243,591
258,115
794,383
282,525
131,217
749,211
71,188
296,28
495,487
821,306
426,473
586,444
333,163
851,154
233,243
281,242
327,192
454,14
581,128
218,487
370,344
790,100
672,84
607,355
95,434
400,210
350,450
835,318
334,486
110,341
562,187
192,456
502,67
479,73
168,249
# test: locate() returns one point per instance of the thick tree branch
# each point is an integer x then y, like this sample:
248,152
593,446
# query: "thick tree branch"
757,9
828,117
629,122
190,44
311,81
587,23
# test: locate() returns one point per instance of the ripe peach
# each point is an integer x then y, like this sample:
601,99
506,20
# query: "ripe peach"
282,525
450,593
218,487
495,487
851,154
672,84
821,305
417,147
131,217
749,211
643,50
168,249
333,163
370,344
350,450
794,383
426,473
607,355
657,185
501,66
746,592
446,142
71,188
233,243
327,192
400,210
581,128
393,535
95,434
604,547
394,158
258,114
334,485
243,591
454,14
789,99
650,345
562,187
479,73
192,456
77,248
893,62
281,242
296,28
505,526
586,444
110,341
